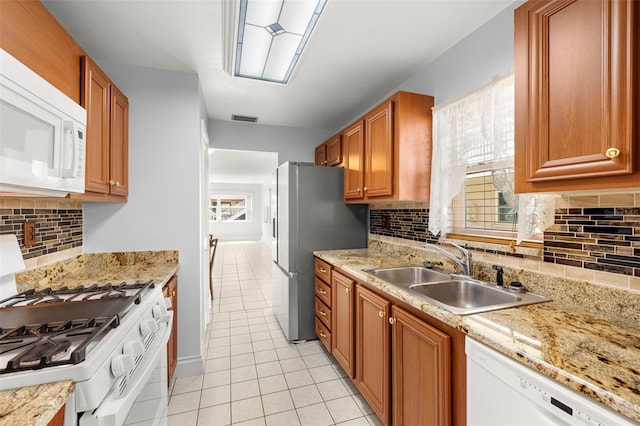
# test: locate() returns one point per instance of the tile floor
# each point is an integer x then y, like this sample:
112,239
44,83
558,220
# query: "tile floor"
253,375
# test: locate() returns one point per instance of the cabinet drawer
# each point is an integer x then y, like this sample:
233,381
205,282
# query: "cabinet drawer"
323,334
323,312
323,270
323,291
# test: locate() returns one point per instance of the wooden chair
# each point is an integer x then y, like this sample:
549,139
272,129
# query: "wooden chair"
213,245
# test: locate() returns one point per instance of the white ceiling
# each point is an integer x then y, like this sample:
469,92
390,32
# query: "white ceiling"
360,50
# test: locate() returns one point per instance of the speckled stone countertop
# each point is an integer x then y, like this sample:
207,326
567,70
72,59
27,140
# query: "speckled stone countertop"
587,338
36,405
101,268
33,405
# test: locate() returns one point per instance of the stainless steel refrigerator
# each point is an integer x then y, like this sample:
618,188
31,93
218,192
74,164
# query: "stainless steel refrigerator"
310,215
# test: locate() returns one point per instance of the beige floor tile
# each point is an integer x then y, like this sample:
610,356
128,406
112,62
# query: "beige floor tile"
305,395
246,409
277,402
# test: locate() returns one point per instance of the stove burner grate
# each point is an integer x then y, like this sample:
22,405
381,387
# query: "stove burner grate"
78,294
32,347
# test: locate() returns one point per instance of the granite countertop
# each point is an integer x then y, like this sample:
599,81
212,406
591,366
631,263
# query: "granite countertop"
102,268
36,405
589,350
33,405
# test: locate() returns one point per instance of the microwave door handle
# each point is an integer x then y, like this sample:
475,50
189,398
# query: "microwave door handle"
69,151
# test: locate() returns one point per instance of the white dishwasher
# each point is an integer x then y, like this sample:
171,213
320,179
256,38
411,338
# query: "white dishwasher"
503,392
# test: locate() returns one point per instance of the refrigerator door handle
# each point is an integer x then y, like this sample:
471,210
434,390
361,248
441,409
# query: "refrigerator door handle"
284,271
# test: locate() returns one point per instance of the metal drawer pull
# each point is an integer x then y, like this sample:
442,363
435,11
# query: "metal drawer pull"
322,334
323,270
321,291
323,313
612,152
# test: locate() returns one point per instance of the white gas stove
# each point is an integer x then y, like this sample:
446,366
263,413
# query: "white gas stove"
109,339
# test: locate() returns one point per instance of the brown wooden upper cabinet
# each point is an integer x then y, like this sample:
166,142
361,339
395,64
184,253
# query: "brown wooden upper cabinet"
577,81
329,153
387,153
107,167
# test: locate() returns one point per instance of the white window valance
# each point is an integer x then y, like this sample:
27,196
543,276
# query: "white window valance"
478,129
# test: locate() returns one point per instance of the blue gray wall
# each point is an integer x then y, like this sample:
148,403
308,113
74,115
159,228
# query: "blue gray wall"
291,143
162,212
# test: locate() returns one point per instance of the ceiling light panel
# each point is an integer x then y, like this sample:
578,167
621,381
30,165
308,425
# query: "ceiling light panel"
272,35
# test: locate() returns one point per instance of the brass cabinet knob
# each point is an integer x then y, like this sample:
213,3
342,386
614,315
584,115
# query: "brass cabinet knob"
117,183
112,182
357,189
381,314
612,152
346,290
392,320
366,189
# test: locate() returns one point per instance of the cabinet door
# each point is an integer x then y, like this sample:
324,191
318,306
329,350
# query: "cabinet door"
96,99
353,146
373,345
342,321
333,149
379,151
421,372
119,154
320,155
170,290
58,419
575,83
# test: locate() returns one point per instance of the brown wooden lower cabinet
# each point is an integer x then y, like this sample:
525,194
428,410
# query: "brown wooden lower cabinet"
421,372
58,419
342,339
170,290
373,351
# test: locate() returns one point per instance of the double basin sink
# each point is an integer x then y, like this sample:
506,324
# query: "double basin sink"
460,295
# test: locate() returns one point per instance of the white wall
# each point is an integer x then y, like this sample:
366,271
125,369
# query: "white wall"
163,210
251,230
483,55
291,143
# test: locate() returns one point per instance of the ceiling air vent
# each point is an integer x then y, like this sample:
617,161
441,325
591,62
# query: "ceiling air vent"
245,118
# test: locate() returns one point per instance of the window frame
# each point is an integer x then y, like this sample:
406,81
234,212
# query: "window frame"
218,197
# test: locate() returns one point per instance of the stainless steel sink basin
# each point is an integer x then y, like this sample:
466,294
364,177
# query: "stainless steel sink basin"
464,297
408,275
458,294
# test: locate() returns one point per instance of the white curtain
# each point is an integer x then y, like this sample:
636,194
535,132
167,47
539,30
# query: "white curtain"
478,128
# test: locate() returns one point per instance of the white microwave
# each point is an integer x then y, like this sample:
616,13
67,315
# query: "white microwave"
42,134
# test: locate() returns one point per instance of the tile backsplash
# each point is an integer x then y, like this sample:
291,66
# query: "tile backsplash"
405,223
596,234
58,225
599,238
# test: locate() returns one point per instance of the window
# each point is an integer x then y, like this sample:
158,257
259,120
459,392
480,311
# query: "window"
472,169
229,208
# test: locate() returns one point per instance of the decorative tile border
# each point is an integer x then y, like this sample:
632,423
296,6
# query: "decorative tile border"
408,224
598,238
57,229
590,240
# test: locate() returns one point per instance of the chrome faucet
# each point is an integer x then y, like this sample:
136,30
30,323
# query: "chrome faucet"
464,261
